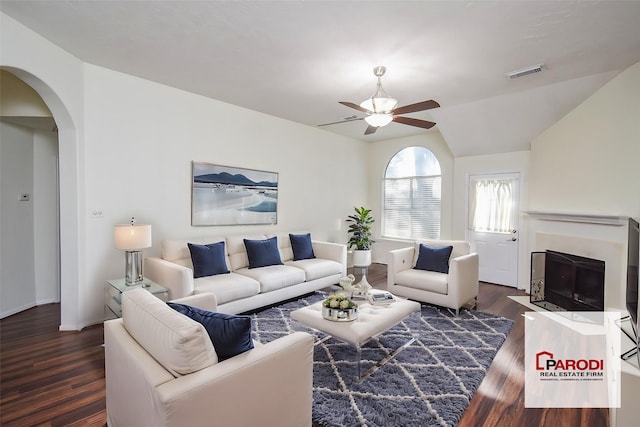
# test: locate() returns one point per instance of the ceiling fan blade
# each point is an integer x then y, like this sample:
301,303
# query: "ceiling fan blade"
419,106
354,106
414,122
370,129
341,121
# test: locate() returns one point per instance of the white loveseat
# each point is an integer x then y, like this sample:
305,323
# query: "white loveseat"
161,370
245,288
453,289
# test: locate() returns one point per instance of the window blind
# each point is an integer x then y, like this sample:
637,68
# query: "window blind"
412,207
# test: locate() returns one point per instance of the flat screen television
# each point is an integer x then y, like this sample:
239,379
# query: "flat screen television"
633,255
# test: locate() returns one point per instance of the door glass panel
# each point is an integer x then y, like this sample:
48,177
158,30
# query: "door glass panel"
491,205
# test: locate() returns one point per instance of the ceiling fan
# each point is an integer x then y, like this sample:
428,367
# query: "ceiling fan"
381,109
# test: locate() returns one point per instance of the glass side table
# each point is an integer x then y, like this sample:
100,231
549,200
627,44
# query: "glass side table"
115,287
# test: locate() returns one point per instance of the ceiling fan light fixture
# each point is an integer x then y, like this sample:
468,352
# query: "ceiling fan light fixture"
381,109
378,120
379,104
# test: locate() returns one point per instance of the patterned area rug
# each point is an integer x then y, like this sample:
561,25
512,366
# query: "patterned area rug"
430,383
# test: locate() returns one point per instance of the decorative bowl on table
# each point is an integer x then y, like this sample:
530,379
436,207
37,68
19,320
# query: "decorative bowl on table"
339,308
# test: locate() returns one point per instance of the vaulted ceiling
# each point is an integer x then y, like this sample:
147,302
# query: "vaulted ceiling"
296,60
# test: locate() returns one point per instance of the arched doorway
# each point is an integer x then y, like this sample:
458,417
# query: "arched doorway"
71,231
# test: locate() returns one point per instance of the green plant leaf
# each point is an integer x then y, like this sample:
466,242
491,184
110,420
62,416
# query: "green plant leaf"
360,229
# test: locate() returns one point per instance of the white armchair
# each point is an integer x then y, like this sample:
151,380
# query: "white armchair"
162,370
452,290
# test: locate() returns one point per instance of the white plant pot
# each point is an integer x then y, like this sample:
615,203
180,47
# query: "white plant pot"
362,258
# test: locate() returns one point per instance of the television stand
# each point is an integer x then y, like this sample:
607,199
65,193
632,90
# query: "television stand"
628,413
625,326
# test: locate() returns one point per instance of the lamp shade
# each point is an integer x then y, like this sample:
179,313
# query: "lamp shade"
132,237
379,104
378,120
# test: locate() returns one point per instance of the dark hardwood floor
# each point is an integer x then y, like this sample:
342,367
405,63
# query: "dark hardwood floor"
52,378
47,377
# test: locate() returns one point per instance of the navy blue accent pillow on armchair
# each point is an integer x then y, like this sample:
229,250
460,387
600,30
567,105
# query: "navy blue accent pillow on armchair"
262,253
434,259
208,260
301,246
229,334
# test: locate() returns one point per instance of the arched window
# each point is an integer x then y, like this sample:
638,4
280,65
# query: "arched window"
412,194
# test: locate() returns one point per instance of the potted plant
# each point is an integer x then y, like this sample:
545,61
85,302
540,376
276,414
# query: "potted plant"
360,239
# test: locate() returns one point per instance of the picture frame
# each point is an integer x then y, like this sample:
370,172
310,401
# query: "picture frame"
228,195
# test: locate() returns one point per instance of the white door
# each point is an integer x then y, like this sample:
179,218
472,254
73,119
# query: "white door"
493,226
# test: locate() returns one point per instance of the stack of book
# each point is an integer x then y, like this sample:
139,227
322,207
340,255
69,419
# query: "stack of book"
381,298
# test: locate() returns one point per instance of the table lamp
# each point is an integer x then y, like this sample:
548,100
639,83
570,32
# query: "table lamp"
132,238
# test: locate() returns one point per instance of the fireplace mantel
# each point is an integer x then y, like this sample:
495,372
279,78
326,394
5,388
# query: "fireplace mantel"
576,217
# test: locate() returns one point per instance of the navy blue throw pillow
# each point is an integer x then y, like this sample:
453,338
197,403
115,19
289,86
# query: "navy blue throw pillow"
262,253
230,334
301,246
208,260
434,259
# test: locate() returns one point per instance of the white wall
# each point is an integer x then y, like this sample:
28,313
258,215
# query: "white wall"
587,163
30,245
141,138
17,271
379,154
57,77
496,163
46,219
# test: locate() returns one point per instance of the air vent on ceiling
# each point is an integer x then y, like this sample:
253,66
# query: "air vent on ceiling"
525,71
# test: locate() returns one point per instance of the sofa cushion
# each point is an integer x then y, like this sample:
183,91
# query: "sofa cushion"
424,280
274,276
317,268
178,343
227,287
177,251
262,253
208,260
301,246
230,334
434,259
238,251
284,246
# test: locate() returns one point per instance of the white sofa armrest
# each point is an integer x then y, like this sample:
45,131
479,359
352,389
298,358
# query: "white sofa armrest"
177,278
204,300
275,379
331,251
463,277
399,260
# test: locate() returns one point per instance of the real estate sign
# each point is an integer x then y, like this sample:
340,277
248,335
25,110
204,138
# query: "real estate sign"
572,360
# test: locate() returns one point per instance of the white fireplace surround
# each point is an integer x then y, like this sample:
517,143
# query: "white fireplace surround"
615,220
593,236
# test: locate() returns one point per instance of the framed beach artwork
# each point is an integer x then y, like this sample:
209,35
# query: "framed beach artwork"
226,195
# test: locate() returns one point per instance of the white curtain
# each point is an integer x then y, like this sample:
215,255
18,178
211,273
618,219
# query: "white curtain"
491,205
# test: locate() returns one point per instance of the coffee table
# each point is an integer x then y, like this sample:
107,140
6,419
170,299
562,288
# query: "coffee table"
373,320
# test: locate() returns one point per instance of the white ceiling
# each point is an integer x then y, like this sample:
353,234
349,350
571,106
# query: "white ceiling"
296,60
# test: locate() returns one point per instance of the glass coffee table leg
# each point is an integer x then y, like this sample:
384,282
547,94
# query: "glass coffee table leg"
383,361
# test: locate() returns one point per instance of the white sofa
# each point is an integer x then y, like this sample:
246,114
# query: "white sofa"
161,370
452,290
244,288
